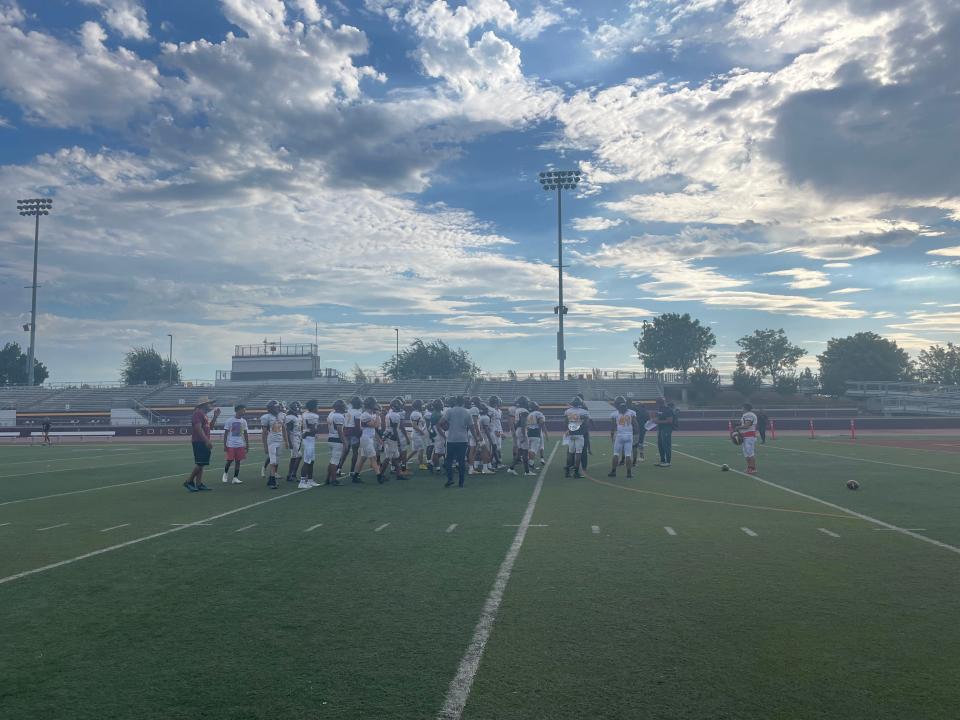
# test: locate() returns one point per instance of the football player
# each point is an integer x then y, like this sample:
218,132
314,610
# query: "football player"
337,440
521,444
496,428
439,437
748,428
536,434
420,437
274,435
393,430
236,443
624,426
294,425
311,425
577,419
352,431
369,427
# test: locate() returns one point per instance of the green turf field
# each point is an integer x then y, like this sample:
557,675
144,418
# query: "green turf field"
683,592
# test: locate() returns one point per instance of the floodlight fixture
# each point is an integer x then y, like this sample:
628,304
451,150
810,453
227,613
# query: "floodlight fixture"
34,207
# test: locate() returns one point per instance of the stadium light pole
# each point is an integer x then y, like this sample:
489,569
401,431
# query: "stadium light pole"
170,360
560,180
34,207
396,358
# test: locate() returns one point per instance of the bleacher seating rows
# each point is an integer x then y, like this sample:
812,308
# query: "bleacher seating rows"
325,393
417,389
90,399
172,395
635,389
553,392
18,397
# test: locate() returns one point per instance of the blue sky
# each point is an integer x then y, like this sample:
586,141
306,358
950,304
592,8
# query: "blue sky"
240,169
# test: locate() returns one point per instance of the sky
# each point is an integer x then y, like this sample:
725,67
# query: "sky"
230,171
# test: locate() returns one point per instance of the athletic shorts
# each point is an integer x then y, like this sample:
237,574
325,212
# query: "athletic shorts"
440,445
623,445
534,444
238,454
296,447
499,438
309,450
575,443
391,450
368,448
201,454
749,447
418,442
336,452
521,442
273,452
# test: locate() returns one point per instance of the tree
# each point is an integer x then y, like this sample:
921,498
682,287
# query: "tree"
431,360
807,382
745,381
359,376
769,352
704,383
787,384
940,365
863,356
145,366
675,341
13,366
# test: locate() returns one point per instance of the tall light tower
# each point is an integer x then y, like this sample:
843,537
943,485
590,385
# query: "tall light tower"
34,207
170,361
560,180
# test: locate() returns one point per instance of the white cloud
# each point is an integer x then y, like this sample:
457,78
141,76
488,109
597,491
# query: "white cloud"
834,252
848,291
802,279
946,252
593,224
127,17
837,265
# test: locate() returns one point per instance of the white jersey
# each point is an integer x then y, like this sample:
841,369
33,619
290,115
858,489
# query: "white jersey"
576,417
749,423
534,418
294,425
234,430
311,423
352,416
485,424
416,419
273,424
335,421
394,420
624,421
496,420
368,421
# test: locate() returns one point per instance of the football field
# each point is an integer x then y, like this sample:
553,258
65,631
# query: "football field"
683,592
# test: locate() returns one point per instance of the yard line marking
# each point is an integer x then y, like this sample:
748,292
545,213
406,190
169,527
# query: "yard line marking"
749,532
462,682
521,525
93,489
128,543
115,527
854,513
246,527
92,467
595,529
883,528
189,524
875,462
381,527
452,528
4,524
670,530
313,527
52,527
867,443
830,533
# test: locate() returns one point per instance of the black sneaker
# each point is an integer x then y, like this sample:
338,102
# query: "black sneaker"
335,482
449,483
629,474
272,483
612,473
566,472
381,479
203,488
190,486
356,479
579,476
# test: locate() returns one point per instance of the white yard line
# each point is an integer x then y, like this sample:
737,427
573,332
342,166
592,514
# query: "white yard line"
381,527
854,513
595,529
670,530
195,524
828,532
4,524
462,682
52,527
115,527
748,531
246,527
128,543
313,527
88,490
92,467
452,528
866,460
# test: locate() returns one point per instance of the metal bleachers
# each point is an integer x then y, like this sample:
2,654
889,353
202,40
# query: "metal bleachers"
183,395
324,393
634,389
550,392
418,389
19,397
91,399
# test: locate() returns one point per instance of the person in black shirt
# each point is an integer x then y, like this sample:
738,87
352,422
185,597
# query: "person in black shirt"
763,422
46,431
666,419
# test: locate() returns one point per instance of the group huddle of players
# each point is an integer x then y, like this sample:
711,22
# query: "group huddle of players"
362,433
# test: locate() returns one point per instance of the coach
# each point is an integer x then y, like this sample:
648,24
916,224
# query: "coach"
458,424
202,445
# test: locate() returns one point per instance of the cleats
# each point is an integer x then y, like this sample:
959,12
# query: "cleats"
203,488
448,483
237,481
530,473
225,479
190,486
612,473
355,479
302,485
579,476
272,483
629,474
511,471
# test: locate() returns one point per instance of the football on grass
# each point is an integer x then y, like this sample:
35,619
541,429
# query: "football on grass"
725,467
853,485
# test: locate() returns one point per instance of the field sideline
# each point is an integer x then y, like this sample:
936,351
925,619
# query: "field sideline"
683,592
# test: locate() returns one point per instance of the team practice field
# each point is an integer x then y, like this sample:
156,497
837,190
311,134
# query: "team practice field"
682,592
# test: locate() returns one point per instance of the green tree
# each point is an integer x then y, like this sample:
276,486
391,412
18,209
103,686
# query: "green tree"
786,384
769,352
431,360
744,380
863,356
359,376
940,364
145,366
675,341
13,366
807,382
704,383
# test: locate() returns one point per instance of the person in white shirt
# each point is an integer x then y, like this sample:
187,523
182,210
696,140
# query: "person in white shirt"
496,430
577,419
369,425
274,435
487,442
439,437
294,424
521,444
536,433
624,424
420,439
336,439
393,438
352,431
310,422
520,405
748,429
236,443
